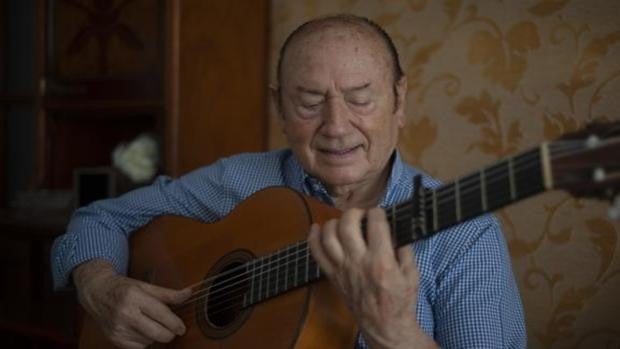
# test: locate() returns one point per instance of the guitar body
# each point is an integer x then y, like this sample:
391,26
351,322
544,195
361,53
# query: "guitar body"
176,252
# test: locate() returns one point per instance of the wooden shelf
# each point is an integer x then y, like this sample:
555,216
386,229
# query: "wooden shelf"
17,99
104,104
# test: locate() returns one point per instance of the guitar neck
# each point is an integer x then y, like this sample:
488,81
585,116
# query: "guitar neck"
493,187
427,213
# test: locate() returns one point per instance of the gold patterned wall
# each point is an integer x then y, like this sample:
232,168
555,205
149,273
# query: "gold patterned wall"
488,79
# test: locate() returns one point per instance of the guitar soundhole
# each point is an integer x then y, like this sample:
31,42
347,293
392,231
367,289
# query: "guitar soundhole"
225,299
221,312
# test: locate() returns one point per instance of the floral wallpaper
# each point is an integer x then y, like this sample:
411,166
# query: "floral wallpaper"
489,79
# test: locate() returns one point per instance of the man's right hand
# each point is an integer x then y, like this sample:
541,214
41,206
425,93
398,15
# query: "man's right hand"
131,313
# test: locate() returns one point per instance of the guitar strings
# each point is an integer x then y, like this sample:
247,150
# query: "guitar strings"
232,298
556,151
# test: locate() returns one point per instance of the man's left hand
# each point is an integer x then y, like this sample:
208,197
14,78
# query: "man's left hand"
379,285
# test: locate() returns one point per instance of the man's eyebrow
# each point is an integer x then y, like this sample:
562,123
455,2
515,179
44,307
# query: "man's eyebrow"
319,92
357,88
309,90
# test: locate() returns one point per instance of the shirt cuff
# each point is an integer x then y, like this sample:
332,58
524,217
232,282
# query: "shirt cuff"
91,245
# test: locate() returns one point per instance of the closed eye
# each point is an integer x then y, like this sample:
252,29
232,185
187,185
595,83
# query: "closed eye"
312,107
360,103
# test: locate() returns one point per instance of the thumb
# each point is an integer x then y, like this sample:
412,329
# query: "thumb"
167,295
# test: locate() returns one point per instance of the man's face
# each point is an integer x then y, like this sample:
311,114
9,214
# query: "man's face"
338,105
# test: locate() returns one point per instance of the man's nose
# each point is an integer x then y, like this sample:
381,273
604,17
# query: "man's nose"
336,117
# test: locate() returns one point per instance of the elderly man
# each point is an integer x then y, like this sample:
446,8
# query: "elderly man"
341,95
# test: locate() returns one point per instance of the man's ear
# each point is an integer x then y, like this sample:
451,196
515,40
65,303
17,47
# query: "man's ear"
401,99
274,95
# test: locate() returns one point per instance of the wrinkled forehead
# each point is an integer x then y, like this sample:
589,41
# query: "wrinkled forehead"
330,44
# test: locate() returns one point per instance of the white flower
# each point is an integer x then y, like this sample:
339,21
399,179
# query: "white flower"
138,159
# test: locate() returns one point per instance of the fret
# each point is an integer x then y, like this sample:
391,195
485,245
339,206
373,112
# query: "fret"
511,178
497,185
545,162
423,213
418,222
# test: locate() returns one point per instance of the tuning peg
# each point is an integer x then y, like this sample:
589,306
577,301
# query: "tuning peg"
614,210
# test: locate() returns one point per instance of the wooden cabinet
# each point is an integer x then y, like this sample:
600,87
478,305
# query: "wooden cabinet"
217,81
101,82
77,77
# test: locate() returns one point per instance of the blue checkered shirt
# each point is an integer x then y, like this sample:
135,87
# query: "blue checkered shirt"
467,295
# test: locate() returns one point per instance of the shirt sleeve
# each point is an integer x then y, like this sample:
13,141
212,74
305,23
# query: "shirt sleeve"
477,302
101,229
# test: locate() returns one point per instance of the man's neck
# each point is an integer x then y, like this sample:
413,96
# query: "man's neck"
366,194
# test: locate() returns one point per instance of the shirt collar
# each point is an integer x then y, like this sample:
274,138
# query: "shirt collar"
297,178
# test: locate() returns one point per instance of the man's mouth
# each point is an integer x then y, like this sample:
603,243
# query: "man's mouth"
339,151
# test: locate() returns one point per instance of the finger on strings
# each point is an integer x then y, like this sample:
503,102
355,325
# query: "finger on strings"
350,233
378,234
316,249
330,244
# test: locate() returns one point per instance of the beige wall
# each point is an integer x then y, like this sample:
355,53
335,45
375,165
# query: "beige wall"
488,79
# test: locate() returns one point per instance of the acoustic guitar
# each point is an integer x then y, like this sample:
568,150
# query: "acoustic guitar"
255,283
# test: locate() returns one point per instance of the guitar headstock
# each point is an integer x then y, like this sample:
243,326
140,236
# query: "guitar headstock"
587,163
